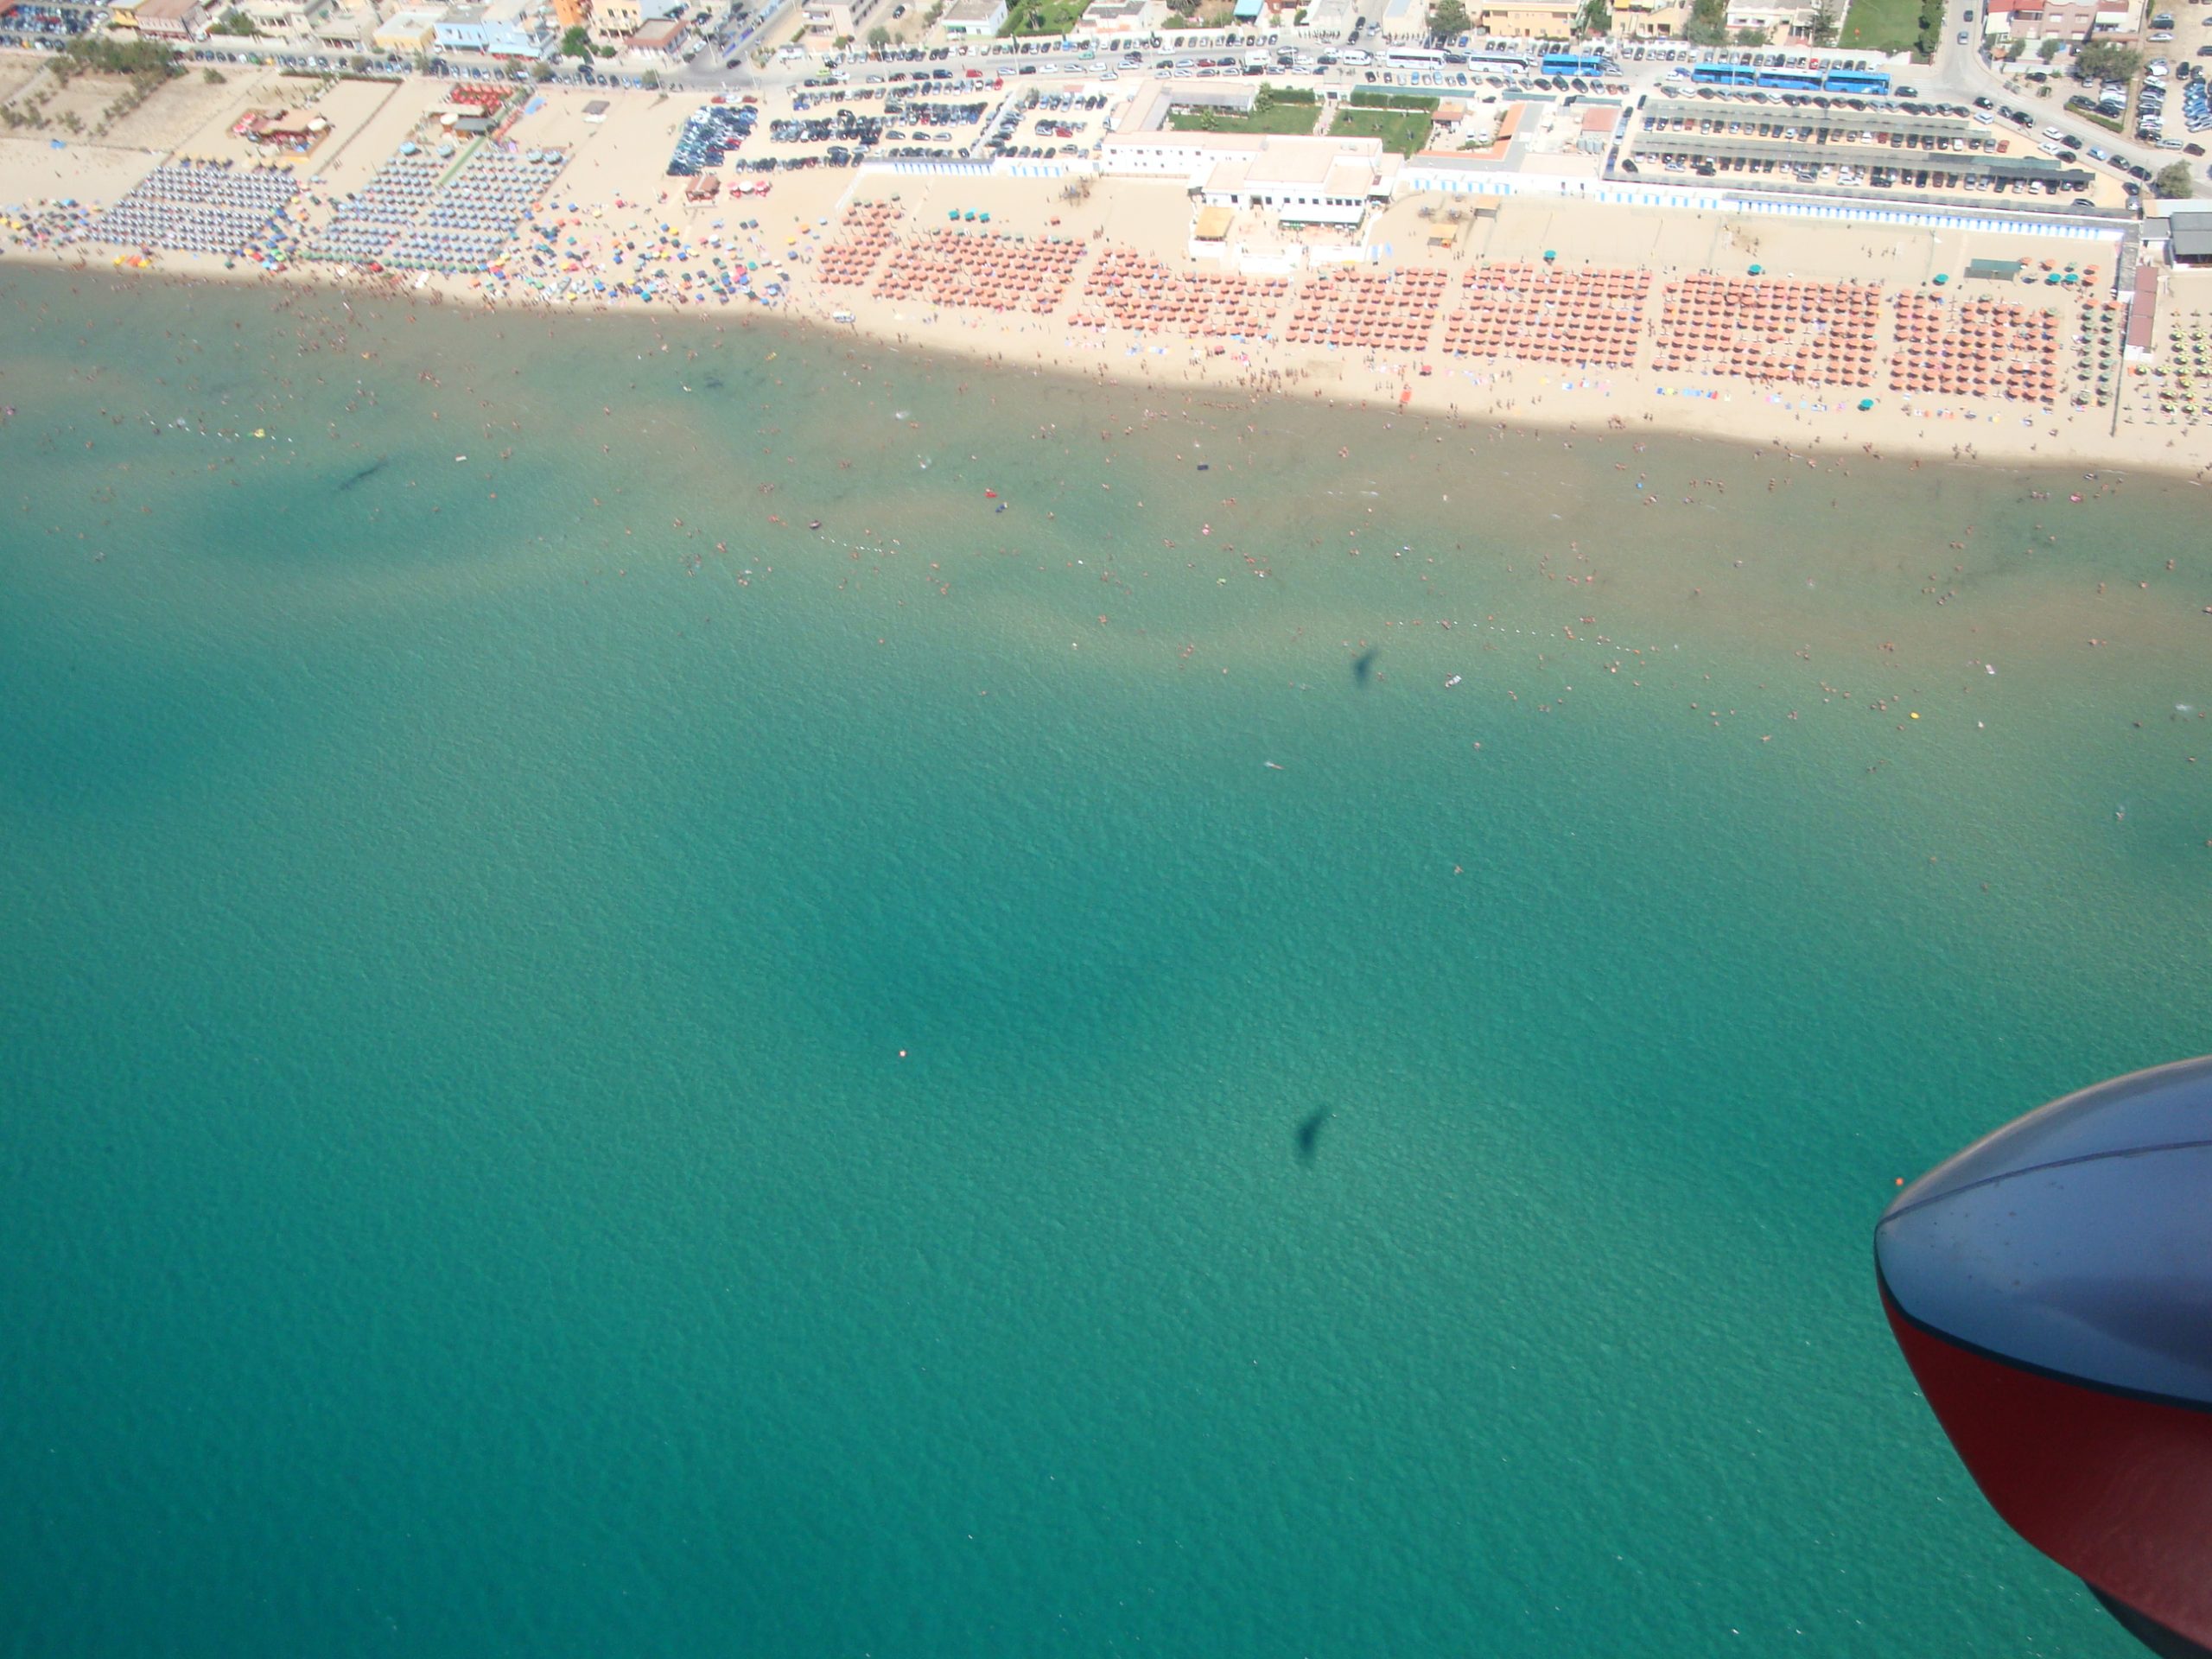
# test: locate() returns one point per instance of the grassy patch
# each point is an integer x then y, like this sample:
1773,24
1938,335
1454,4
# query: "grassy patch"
1369,99
1042,17
1402,131
1282,117
1210,13
1881,25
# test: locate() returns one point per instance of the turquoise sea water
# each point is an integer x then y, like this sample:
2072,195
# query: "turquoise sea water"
574,1091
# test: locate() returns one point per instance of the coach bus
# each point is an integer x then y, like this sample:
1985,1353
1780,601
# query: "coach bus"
1573,63
1496,63
1413,57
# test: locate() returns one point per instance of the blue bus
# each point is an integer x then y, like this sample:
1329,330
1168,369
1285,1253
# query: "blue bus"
1724,74
1572,63
1849,82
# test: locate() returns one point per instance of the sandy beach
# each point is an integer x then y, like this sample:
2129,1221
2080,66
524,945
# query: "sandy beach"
1472,314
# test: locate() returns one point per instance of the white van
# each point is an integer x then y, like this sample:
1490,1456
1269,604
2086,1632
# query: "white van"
1355,58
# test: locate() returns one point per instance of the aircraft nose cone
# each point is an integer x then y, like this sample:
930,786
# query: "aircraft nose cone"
2075,1241
2051,1288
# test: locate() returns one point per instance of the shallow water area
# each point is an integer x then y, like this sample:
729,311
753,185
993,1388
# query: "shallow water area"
1290,1044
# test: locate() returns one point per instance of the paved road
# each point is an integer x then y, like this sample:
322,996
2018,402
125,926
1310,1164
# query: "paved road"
1961,74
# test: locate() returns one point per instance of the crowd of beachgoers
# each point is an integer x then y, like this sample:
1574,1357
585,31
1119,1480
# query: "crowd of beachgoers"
1493,334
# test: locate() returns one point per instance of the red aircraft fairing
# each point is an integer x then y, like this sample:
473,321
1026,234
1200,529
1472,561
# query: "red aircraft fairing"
2051,1288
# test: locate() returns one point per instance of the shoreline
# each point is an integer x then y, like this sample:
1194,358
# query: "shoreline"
606,233
1519,393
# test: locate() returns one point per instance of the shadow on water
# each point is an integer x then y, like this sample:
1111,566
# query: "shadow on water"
363,476
1309,1134
1363,666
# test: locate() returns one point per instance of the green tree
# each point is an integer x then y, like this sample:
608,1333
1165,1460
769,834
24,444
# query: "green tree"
2049,49
233,22
2015,52
1709,24
146,61
1751,37
541,71
1448,19
575,41
1596,17
213,77
878,37
650,79
2105,60
2174,182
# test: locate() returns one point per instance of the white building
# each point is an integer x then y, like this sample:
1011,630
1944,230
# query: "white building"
285,18
1120,20
497,30
1405,20
974,19
1299,181
1784,25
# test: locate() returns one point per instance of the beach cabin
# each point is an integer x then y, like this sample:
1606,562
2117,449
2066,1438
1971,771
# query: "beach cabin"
2189,235
2177,231
1210,236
